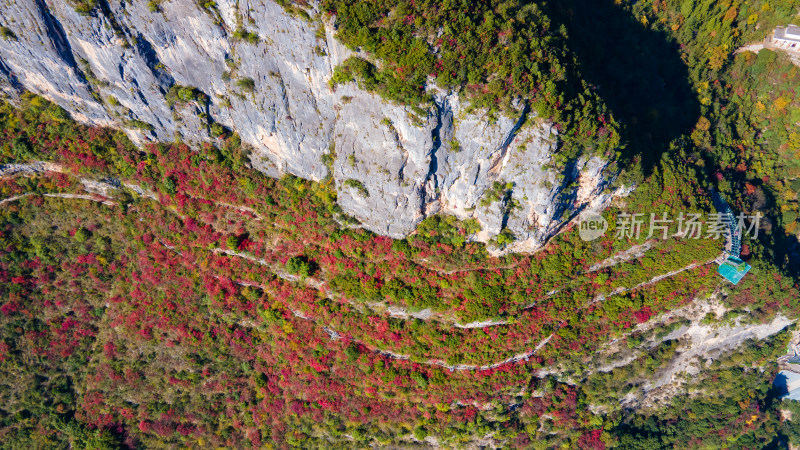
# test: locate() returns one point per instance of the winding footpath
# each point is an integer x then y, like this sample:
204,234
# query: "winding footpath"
99,191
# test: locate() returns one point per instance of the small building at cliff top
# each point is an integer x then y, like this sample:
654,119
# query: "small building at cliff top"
788,384
787,38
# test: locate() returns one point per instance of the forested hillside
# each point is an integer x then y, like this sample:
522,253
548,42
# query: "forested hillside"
190,300
748,128
171,295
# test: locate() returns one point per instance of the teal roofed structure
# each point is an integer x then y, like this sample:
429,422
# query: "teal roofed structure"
733,269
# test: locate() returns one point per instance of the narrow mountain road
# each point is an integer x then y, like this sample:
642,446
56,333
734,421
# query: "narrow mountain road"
105,187
656,279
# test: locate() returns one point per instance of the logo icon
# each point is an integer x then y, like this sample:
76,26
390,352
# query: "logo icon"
592,226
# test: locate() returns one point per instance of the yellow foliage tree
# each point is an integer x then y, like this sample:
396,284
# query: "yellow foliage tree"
780,104
717,56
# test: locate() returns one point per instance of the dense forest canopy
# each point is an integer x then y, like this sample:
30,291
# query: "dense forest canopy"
175,296
747,134
212,305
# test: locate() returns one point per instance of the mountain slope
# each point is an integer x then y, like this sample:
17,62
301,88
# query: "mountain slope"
177,70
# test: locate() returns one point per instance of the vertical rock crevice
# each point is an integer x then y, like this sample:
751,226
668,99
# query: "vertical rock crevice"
145,51
13,83
56,35
444,161
502,152
441,134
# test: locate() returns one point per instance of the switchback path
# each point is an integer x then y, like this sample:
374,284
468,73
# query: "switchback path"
93,198
656,279
101,186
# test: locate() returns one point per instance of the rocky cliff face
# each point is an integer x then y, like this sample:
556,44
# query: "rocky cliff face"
116,66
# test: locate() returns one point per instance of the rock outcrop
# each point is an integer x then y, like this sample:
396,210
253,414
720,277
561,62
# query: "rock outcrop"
391,166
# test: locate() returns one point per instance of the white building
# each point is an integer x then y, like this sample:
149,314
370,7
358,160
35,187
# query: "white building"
787,38
788,384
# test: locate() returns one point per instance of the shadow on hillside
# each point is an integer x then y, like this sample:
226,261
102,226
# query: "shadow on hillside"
636,70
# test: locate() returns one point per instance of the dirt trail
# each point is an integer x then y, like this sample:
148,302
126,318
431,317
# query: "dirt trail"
33,168
83,197
400,312
104,187
635,252
656,279
15,198
279,271
334,335
93,198
453,367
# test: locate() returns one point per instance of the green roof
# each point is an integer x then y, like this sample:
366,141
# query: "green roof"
733,269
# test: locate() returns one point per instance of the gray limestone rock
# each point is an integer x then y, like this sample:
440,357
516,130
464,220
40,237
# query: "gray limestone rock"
391,166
